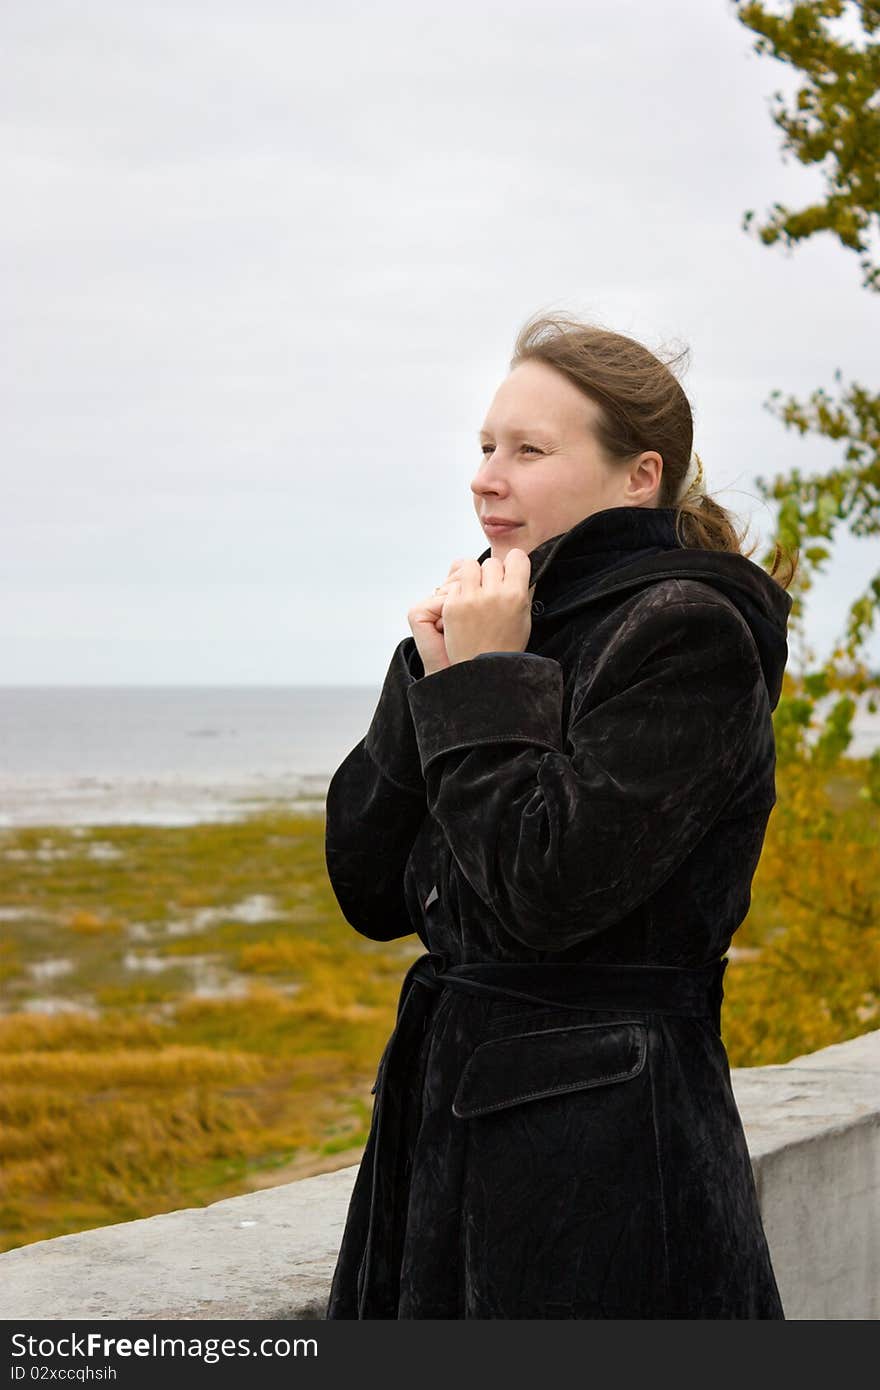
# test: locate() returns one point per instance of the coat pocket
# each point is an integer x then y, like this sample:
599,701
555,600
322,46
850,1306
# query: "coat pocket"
546,1062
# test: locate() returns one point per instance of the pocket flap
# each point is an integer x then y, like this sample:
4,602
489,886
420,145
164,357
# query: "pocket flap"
525,1066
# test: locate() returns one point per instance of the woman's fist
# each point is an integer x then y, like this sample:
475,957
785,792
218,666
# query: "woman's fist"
478,608
427,626
488,607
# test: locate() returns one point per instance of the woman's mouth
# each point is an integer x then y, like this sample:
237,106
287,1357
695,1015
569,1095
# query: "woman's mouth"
500,528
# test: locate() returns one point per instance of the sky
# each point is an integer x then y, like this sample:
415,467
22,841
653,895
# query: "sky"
264,266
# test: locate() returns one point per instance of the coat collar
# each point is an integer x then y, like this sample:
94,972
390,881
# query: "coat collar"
600,542
623,549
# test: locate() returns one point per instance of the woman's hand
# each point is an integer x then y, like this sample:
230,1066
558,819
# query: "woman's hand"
426,623
487,607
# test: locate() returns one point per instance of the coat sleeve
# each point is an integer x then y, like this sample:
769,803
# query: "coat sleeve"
563,831
376,803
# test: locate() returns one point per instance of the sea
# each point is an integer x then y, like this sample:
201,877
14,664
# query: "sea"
178,755
171,755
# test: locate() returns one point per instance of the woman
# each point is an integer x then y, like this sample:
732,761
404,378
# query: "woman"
564,791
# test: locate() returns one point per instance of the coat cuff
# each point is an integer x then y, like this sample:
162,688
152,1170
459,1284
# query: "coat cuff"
495,697
390,740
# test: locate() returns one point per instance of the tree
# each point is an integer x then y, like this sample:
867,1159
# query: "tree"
834,124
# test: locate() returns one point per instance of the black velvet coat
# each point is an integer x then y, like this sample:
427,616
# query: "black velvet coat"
582,810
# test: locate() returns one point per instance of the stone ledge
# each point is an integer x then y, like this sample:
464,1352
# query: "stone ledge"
813,1126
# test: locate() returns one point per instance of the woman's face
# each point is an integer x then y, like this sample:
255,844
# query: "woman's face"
542,467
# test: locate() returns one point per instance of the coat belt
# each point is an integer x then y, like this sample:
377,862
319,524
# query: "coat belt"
692,991
687,991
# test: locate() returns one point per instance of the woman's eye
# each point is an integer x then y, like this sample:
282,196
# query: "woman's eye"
489,448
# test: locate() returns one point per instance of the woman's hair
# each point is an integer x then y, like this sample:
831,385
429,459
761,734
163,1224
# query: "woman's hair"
641,406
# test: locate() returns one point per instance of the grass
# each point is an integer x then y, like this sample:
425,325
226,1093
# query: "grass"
223,1022
218,1024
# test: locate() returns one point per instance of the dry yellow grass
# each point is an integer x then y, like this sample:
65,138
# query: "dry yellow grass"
209,1048
158,1090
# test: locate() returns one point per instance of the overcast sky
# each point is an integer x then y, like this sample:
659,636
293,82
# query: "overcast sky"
264,269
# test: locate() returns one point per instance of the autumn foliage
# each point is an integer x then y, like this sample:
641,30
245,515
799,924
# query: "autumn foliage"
809,974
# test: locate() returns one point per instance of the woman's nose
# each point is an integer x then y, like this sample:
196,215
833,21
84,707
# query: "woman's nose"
489,478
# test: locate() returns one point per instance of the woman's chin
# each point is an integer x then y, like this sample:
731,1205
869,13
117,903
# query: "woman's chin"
502,548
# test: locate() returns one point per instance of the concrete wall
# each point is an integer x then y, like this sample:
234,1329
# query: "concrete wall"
813,1127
